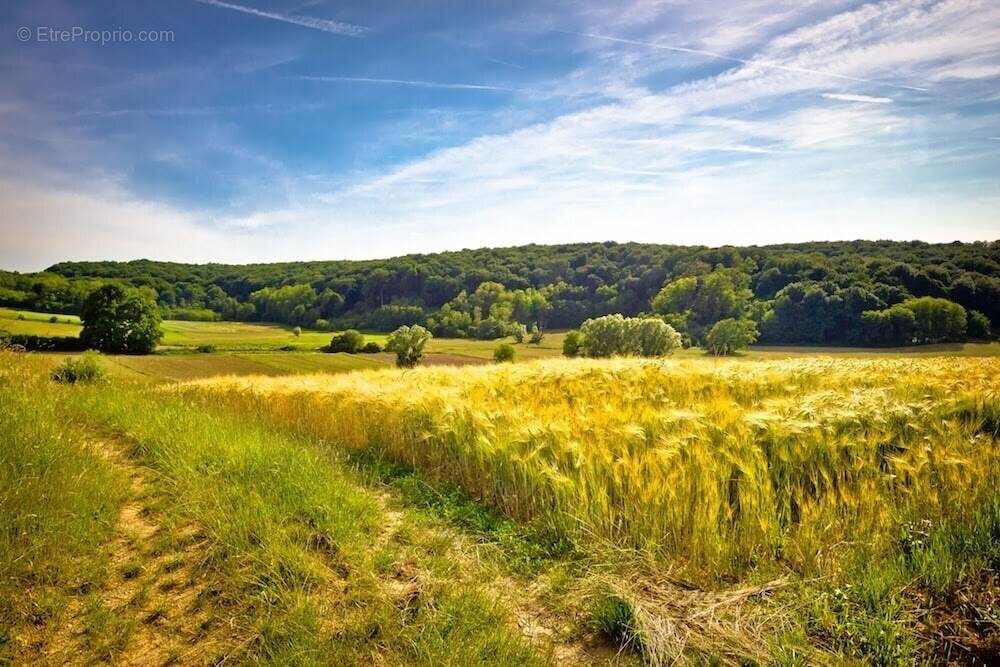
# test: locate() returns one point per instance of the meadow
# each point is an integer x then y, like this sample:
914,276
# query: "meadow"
788,506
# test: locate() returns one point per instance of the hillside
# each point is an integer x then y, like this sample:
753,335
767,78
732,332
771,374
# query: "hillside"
809,293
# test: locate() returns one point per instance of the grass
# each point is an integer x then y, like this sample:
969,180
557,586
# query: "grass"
58,503
298,561
809,510
720,472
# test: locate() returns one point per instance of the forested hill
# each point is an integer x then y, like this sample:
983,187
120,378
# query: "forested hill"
797,293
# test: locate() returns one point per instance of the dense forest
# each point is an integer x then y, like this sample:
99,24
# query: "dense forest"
846,293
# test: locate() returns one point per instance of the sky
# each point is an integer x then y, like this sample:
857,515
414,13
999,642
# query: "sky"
266,130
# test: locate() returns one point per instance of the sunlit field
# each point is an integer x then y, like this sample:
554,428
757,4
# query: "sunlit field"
715,471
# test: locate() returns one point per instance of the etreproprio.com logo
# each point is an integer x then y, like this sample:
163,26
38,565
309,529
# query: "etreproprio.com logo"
49,35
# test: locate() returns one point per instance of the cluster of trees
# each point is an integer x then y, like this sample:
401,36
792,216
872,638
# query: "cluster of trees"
810,293
616,335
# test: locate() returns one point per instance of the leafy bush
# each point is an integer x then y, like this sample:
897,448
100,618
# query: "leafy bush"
408,344
54,319
635,336
371,347
729,335
650,337
572,344
349,341
518,331
297,331
85,368
504,352
536,335
207,348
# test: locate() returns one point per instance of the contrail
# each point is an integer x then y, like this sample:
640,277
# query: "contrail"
325,25
402,82
758,63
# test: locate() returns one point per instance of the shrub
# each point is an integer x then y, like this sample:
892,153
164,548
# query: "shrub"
54,319
297,331
408,344
20,316
322,325
116,319
729,335
504,352
536,335
614,617
371,347
603,336
572,344
650,337
518,331
206,348
349,341
618,335
85,368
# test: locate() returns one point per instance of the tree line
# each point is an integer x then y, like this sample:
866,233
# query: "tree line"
829,293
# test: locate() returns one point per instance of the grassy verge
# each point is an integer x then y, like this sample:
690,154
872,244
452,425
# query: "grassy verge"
59,502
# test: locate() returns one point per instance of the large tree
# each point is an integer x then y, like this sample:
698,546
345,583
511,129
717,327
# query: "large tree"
118,319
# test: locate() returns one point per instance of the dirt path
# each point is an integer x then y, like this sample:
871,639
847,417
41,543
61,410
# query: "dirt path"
153,607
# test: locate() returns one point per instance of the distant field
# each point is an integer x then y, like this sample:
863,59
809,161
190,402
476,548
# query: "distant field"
244,338
38,324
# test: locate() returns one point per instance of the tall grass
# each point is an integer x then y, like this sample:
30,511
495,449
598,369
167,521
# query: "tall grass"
287,535
58,502
719,467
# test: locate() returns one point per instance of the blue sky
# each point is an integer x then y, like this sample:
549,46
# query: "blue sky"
264,130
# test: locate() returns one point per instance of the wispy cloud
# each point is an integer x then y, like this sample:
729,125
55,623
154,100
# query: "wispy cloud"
324,25
866,99
402,82
744,61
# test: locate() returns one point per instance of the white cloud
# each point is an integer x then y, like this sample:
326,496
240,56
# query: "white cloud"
865,99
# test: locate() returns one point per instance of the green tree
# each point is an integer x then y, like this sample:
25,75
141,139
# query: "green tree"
704,300
118,319
408,343
349,341
892,326
572,344
650,337
936,320
729,335
537,335
504,352
603,336
615,334
979,325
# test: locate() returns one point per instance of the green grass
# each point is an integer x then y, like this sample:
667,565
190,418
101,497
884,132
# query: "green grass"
58,503
299,558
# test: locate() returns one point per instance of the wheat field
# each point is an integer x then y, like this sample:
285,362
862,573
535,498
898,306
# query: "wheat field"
716,467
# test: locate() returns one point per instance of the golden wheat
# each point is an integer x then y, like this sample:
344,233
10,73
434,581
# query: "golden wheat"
719,465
